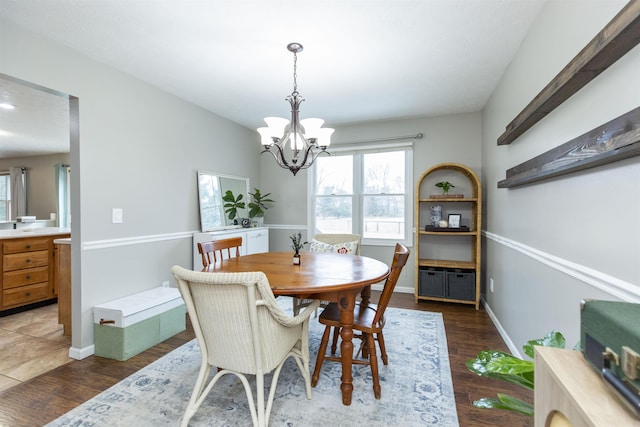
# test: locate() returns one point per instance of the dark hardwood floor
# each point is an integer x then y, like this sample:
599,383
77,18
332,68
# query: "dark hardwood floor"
46,397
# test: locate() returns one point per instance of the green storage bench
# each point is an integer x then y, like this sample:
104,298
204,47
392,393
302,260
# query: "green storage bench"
127,326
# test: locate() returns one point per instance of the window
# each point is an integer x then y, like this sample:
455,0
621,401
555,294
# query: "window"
5,197
364,192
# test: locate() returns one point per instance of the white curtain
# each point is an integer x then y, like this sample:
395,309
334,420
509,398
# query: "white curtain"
18,192
63,217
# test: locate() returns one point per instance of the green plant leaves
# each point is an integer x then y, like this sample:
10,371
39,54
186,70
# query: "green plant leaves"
232,203
258,205
502,366
504,401
445,185
552,339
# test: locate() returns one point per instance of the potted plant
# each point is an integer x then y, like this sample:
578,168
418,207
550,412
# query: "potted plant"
445,185
258,205
232,204
296,245
499,365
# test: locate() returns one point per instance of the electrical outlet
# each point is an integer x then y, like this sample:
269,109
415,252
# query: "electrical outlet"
491,284
165,284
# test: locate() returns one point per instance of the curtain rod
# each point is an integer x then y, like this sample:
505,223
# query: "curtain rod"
391,138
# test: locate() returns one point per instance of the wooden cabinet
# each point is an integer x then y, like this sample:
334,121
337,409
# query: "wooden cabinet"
569,392
254,241
448,259
28,272
63,282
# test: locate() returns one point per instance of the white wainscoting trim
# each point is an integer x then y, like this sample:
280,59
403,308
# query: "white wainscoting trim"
128,241
625,291
286,227
81,353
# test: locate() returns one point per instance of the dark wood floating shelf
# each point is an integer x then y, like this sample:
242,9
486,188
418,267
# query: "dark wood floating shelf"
620,35
615,140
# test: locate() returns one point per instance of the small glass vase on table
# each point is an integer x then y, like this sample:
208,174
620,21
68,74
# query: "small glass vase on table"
296,245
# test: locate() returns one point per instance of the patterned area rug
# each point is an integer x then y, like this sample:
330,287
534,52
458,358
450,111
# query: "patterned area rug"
416,387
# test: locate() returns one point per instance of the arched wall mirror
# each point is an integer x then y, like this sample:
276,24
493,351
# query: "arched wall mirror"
211,188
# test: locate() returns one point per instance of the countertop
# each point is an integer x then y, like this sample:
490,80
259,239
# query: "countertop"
33,232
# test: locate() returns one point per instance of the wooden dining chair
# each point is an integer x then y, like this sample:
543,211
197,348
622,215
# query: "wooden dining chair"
330,239
368,320
215,250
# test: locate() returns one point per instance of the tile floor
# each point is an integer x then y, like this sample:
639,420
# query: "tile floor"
31,343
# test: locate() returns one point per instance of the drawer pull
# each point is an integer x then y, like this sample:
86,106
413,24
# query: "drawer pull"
107,322
28,293
27,260
28,246
28,277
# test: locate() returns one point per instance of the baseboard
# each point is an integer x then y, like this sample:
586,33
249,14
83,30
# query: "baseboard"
505,337
399,289
81,353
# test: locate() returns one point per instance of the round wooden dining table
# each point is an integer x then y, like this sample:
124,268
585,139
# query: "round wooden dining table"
332,277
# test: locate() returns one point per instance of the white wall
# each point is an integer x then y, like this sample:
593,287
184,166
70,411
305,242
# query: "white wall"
454,138
41,191
139,150
551,244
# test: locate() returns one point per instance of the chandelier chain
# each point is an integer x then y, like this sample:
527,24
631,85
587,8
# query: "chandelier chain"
295,72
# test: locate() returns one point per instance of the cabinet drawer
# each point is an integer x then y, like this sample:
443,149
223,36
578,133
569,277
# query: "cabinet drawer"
25,294
25,260
30,276
26,245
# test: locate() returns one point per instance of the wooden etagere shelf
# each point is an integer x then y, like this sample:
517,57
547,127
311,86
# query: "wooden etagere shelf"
440,275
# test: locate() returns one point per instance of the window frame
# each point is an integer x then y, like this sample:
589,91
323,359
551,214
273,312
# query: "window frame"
358,194
6,200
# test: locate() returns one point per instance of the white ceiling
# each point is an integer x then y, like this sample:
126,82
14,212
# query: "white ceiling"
363,60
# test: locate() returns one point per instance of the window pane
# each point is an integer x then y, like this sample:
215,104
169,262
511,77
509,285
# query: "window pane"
334,175
384,173
4,197
333,214
384,217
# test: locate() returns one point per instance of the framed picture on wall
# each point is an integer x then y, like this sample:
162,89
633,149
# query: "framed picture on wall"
454,220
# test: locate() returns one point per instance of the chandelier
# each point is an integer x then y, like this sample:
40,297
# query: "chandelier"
300,140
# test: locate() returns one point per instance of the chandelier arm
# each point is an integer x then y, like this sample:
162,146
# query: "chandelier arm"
303,164
268,150
279,157
315,156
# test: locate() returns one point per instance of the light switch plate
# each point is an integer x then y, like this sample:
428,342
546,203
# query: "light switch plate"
116,216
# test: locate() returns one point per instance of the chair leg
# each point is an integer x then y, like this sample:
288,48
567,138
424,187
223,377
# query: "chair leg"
383,349
373,361
192,406
321,351
334,343
260,399
365,345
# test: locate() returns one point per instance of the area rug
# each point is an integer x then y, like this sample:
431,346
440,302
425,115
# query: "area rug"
416,387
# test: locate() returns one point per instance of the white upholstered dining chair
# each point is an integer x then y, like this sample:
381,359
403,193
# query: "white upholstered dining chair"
333,243
242,330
